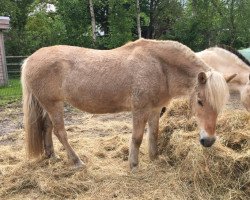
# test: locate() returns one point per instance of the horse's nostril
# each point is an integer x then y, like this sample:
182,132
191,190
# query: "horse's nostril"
202,141
207,142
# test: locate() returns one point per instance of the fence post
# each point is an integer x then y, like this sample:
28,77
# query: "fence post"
4,25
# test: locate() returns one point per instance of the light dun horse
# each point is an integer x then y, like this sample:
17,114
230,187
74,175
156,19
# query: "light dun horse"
229,61
141,77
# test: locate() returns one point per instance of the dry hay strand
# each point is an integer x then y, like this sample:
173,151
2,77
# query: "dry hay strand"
222,171
185,170
178,116
106,177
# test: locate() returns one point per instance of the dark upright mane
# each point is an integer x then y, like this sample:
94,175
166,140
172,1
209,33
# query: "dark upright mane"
234,51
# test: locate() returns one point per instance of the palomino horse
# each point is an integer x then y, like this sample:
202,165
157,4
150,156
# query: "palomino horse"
141,77
229,61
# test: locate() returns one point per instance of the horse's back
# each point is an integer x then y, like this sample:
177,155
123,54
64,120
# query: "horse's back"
97,81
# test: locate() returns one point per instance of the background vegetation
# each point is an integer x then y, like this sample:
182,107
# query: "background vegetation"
196,23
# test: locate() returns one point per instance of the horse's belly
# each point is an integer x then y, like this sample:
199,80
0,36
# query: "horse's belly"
100,107
100,103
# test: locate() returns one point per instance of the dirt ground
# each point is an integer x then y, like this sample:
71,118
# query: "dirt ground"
102,142
11,116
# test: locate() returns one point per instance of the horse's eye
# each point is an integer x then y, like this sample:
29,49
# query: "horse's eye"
200,102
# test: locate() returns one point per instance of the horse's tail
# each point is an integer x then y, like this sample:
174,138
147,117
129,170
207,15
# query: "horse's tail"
34,120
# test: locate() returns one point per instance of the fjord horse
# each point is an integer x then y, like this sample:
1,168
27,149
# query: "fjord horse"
229,61
140,77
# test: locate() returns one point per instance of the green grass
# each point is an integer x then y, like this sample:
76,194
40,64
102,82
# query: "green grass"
11,92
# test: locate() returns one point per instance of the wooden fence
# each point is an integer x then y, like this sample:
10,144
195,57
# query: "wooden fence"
12,92
14,64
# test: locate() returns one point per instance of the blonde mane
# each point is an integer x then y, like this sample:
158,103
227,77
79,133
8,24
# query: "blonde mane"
216,90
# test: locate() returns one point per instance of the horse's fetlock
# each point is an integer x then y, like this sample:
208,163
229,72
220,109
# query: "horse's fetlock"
133,165
49,151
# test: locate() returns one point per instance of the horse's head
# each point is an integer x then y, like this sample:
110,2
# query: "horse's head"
207,100
245,95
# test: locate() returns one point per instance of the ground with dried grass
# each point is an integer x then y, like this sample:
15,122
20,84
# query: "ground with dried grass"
185,170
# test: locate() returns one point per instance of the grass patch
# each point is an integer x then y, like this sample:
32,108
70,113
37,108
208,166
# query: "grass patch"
11,92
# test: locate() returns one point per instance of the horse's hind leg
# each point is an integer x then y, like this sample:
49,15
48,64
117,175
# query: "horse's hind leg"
153,128
139,122
55,112
48,143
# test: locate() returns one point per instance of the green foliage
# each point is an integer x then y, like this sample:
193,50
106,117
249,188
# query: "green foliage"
18,12
166,15
198,26
43,30
121,22
207,23
75,15
196,23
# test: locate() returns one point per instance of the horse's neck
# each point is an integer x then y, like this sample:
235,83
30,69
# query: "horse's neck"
181,67
181,80
181,84
180,64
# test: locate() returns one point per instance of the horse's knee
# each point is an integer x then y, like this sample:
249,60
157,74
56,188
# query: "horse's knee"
137,140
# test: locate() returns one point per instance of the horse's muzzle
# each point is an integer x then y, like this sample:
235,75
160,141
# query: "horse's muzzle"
208,141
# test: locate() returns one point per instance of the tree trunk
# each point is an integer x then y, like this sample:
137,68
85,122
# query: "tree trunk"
138,18
92,14
151,28
232,21
151,19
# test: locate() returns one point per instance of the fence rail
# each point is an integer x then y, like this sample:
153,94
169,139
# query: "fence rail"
14,64
12,91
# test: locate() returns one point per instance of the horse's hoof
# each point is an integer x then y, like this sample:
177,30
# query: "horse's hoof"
134,170
80,165
54,157
153,157
133,167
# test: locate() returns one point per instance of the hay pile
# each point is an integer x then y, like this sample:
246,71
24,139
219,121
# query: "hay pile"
221,172
185,170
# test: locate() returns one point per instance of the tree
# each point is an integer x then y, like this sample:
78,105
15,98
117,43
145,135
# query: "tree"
15,40
138,18
121,22
76,18
107,24
92,14
43,28
152,11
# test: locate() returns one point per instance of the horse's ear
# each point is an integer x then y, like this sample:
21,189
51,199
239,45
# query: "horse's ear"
202,77
229,78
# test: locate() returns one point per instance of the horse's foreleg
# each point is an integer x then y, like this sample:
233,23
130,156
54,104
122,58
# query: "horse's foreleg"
139,122
153,128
